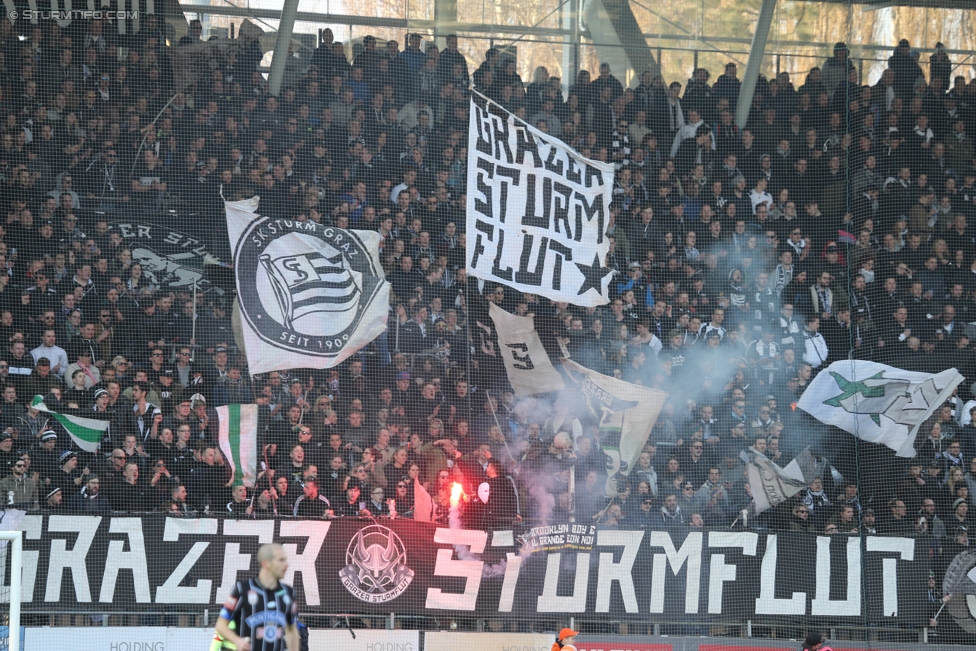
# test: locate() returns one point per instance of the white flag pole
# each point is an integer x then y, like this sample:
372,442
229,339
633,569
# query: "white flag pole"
572,493
193,329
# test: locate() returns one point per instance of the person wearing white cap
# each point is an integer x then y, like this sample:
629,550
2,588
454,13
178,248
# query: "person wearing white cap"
53,499
101,400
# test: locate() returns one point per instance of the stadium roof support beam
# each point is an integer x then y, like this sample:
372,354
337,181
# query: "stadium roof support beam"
445,20
282,46
487,30
614,22
569,16
369,21
754,63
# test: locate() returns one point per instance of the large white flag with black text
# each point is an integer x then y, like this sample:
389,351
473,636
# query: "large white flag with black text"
878,403
529,370
536,210
310,295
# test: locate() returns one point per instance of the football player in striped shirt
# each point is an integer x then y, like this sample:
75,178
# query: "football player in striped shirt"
260,614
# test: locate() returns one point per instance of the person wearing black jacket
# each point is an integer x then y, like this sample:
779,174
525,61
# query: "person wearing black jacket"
837,333
906,69
240,505
310,504
695,151
164,447
334,479
44,457
90,499
69,478
275,500
110,471
131,494
497,505
351,505
474,467
376,505
413,339
77,393
107,184
178,504
206,480
53,499
898,522
294,467
125,326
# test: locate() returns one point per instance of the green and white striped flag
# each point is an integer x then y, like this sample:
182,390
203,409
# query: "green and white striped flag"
239,441
87,433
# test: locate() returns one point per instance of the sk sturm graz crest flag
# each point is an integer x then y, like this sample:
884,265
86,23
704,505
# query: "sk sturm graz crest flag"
960,582
878,403
310,295
625,414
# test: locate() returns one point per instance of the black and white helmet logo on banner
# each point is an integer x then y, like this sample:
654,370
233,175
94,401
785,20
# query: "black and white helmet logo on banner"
960,582
308,289
169,260
376,568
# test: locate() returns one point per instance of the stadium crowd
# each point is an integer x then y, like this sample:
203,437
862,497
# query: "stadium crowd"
834,224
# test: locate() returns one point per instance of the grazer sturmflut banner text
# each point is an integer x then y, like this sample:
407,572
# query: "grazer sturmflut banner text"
356,565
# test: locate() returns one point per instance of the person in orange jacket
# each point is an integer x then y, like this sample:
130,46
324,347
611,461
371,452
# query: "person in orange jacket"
565,641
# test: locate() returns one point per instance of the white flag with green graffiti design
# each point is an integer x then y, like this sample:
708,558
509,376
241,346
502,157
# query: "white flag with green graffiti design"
239,441
878,403
87,433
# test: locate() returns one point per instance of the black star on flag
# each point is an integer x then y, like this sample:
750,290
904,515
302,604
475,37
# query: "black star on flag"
593,275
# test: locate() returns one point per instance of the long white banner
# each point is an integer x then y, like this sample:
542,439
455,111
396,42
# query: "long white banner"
536,210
